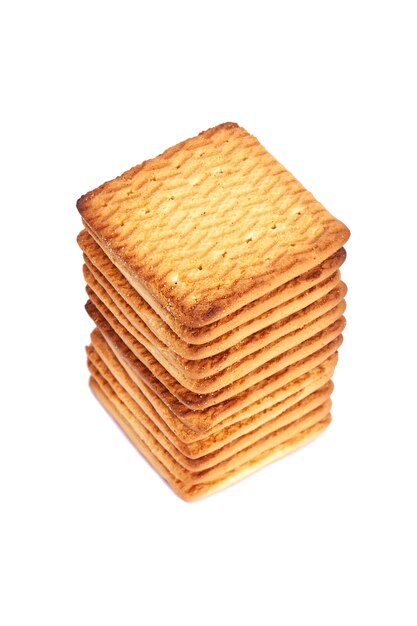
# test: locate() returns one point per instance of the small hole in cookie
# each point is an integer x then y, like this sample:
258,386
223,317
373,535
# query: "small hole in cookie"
147,211
200,267
249,240
173,278
224,253
273,227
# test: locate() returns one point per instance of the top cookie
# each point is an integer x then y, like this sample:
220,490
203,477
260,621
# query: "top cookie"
210,225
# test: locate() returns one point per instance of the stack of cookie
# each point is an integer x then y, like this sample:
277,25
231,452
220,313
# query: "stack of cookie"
213,281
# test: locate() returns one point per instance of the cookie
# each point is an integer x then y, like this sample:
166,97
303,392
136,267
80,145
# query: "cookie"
236,427
241,370
287,441
210,225
177,397
193,426
220,335
203,368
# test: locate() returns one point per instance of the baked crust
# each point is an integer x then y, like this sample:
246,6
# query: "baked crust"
210,225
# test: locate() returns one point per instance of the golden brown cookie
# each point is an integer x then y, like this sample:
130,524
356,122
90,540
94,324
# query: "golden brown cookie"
219,335
281,443
210,225
236,427
187,388
191,426
196,369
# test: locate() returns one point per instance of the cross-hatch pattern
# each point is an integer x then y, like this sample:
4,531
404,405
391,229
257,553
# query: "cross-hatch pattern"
211,224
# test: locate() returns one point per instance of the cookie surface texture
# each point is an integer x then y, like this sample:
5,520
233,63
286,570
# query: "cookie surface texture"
207,226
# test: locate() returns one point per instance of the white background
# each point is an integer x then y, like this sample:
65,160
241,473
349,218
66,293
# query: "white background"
89,533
